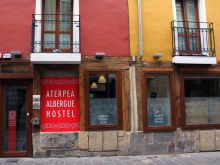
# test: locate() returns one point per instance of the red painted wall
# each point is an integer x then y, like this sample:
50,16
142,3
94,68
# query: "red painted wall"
104,27
15,25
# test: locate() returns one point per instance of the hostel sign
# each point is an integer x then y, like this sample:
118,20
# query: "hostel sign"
60,104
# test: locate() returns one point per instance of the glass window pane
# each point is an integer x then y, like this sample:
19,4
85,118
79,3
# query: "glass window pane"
49,22
65,7
191,10
65,23
60,25
49,15
65,15
49,40
179,14
64,41
193,40
158,101
50,7
15,132
103,99
182,42
202,100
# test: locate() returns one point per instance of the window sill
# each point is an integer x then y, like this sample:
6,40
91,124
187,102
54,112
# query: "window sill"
160,129
204,126
103,128
194,60
56,58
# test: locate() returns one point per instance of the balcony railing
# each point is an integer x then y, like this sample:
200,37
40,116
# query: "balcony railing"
55,33
193,38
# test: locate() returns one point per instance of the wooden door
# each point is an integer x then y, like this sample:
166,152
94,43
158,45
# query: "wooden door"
16,130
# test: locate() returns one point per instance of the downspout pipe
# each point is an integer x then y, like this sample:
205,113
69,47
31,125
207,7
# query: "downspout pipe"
140,30
133,96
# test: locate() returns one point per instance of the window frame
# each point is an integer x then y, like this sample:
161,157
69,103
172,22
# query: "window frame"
182,99
57,31
187,35
100,127
172,126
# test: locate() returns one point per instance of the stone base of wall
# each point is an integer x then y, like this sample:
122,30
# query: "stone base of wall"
111,143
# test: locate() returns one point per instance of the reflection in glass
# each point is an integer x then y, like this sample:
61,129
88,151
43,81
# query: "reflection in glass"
202,100
49,40
15,132
182,42
187,26
64,41
57,24
191,12
158,101
103,100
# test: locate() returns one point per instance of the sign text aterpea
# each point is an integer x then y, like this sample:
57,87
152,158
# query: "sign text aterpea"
60,104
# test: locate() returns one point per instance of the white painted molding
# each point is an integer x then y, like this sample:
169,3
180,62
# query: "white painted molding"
202,10
76,26
76,7
175,23
37,33
174,9
38,7
194,60
202,18
56,58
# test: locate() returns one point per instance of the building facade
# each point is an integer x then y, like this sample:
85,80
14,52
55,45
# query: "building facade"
91,77
176,42
64,68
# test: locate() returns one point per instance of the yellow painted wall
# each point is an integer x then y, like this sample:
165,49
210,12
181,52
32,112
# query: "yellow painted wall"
213,15
156,16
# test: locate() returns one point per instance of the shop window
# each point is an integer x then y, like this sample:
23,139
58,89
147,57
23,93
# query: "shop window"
104,100
201,101
158,109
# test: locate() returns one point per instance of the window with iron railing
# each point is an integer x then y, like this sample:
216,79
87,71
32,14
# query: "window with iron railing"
56,29
188,40
190,36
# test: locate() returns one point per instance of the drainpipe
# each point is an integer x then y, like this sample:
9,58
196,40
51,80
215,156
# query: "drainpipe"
140,29
133,95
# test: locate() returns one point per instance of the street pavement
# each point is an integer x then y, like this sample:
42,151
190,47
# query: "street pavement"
203,158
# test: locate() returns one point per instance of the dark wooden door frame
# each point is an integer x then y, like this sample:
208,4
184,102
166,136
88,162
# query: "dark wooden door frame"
28,84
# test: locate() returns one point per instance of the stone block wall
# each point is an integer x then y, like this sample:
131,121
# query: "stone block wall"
94,143
110,143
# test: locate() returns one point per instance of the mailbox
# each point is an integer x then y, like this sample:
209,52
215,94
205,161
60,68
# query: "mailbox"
36,102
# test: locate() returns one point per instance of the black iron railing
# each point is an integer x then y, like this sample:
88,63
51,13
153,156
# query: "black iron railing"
193,38
55,33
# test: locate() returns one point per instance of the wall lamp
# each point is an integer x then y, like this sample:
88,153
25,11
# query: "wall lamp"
99,55
157,55
16,54
102,80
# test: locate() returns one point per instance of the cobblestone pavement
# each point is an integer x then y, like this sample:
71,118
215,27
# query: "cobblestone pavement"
204,158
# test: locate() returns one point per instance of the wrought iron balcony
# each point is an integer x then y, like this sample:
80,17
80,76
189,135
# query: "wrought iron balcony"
193,38
55,33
